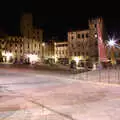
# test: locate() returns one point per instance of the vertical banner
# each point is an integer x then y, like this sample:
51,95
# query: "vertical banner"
101,47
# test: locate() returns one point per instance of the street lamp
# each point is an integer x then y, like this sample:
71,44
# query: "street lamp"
43,45
76,60
111,43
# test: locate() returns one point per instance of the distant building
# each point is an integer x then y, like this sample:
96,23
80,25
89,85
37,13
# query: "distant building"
25,47
78,42
61,52
27,29
26,25
18,48
83,44
48,51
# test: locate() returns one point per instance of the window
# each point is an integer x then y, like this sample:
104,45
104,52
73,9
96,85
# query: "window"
82,35
28,45
87,35
96,43
20,51
16,45
33,37
86,53
75,53
10,45
78,53
20,45
72,37
78,35
95,25
66,52
78,45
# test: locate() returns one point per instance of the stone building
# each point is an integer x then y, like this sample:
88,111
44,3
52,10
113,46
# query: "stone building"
83,44
28,45
78,43
61,52
17,48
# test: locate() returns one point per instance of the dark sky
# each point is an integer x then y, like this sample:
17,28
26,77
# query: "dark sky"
57,18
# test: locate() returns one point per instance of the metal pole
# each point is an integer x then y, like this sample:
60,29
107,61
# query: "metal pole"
99,74
108,75
118,75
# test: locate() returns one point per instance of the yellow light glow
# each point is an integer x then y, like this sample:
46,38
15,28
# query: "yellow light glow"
56,59
76,59
7,55
43,44
32,57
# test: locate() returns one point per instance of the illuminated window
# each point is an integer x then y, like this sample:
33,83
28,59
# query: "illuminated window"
96,35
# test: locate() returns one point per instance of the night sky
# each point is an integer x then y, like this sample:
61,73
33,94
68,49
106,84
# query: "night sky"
57,18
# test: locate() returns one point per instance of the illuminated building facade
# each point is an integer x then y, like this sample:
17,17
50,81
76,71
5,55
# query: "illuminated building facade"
78,44
84,44
19,48
29,44
61,51
48,51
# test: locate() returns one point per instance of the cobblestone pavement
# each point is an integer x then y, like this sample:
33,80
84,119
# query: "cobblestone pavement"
31,95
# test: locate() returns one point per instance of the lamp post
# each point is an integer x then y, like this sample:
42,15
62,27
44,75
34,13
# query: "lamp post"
43,46
111,44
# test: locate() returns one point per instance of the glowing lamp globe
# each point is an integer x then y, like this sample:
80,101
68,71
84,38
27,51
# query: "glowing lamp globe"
111,43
